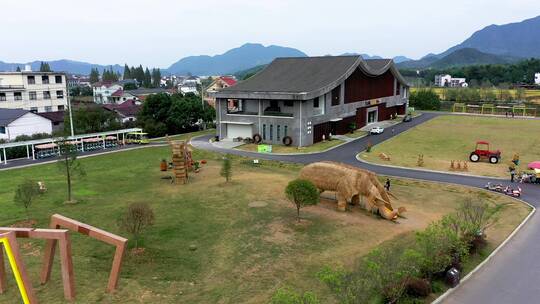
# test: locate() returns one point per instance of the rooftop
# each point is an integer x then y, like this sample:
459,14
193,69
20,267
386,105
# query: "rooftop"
7,116
304,78
57,116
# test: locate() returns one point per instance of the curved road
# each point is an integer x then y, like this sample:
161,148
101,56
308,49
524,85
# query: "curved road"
509,277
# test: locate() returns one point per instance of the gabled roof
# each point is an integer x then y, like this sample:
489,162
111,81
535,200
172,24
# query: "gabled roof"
146,91
118,93
8,116
57,116
302,78
228,80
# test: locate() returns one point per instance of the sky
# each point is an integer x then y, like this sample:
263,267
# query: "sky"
157,33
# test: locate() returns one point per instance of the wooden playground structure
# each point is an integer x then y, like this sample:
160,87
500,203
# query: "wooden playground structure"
181,160
492,109
55,235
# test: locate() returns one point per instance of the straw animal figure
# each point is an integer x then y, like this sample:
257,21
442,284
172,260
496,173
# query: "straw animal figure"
350,183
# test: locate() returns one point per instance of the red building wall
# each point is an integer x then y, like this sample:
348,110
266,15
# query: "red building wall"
359,86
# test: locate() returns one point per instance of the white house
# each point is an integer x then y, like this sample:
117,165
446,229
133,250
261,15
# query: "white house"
15,122
103,91
33,91
445,80
537,78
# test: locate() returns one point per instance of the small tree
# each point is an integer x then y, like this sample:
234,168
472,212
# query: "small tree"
226,168
302,193
25,194
137,218
69,164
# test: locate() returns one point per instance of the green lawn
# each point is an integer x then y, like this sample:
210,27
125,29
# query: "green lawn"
449,137
243,253
357,134
318,147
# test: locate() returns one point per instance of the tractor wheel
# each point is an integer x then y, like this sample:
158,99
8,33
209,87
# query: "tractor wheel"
493,159
474,157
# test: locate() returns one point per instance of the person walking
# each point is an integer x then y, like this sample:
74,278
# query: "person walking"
512,175
387,184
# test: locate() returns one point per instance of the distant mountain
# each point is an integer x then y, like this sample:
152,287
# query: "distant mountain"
63,65
520,39
460,57
396,59
247,56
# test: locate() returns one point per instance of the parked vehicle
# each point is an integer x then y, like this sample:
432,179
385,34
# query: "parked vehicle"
407,118
506,190
376,130
139,138
482,151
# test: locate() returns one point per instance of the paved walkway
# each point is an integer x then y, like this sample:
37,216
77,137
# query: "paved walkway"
511,276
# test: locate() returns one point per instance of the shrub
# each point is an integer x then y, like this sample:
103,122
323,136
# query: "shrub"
137,218
439,246
288,296
226,168
418,287
425,99
302,193
334,278
25,194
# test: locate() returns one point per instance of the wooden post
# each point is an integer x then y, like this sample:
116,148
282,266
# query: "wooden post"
119,242
9,241
52,236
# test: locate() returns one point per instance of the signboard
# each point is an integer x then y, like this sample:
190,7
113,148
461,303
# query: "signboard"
264,148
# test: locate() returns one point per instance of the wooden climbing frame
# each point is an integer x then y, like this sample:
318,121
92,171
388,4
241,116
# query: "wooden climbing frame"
8,242
58,221
181,158
60,235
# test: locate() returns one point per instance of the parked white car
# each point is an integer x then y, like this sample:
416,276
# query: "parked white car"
376,130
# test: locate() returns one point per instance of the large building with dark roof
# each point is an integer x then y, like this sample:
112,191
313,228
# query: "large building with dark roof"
306,99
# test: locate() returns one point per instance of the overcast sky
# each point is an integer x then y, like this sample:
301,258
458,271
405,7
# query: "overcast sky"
159,32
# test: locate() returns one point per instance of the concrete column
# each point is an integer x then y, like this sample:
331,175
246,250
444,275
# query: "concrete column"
5,157
28,151
33,153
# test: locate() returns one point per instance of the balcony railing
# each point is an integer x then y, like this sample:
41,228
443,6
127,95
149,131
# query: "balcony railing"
237,112
277,113
11,87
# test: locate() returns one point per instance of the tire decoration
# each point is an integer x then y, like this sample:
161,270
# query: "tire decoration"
287,140
257,138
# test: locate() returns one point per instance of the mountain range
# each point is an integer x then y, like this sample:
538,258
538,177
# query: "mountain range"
494,44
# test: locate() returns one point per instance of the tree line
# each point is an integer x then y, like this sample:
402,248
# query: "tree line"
144,76
487,75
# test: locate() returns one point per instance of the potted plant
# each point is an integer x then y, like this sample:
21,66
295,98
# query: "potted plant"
163,165
196,167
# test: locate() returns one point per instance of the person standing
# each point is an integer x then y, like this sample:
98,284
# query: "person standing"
387,184
512,175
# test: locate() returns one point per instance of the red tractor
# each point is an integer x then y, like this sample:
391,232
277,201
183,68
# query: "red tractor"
482,151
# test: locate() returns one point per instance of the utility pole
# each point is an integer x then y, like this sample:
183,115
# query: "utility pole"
69,108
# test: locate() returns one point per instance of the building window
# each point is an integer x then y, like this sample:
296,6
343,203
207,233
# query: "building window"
285,131
271,132
32,95
264,132
48,109
58,79
33,109
46,95
60,94
2,96
17,95
31,79
45,79
60,108
336,93
2,130
288,103
318,105
278,131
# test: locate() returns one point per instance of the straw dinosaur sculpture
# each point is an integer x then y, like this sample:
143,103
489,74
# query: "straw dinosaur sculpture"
350,183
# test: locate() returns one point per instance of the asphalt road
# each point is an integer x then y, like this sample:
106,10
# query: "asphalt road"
511,276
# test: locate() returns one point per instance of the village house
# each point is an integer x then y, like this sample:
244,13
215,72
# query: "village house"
216,85
16,122
306,99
